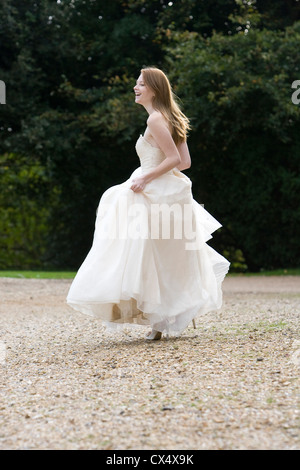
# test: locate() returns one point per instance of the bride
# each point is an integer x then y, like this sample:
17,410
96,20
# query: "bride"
149,263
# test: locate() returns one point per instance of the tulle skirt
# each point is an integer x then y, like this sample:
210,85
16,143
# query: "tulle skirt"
150,263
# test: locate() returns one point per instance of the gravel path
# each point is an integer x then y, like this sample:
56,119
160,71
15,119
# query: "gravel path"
231,383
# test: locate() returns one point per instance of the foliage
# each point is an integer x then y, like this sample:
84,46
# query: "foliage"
24,210
246,137
70,122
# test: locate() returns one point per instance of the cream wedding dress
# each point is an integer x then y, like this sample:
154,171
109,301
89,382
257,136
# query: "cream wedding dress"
149,263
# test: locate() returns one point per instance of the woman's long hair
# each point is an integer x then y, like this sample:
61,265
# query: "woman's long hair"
165,102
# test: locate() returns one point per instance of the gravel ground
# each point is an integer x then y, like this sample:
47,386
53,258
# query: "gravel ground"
231,383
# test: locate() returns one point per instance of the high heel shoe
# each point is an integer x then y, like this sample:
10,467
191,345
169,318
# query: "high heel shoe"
154,335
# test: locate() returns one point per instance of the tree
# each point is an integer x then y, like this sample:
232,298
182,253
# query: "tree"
245,138
70,66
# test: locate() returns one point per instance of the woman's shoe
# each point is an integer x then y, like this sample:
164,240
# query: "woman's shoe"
154,335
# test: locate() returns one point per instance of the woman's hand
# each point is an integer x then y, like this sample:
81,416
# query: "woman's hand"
138,184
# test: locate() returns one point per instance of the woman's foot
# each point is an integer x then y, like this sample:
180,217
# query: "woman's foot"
154,335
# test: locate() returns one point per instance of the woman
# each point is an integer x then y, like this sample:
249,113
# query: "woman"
149,263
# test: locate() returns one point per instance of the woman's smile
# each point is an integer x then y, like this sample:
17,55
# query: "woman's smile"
143,94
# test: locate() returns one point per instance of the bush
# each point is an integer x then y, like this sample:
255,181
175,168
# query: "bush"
25,201
245,141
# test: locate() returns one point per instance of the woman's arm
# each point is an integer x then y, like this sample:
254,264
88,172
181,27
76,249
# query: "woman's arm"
184,156
162,136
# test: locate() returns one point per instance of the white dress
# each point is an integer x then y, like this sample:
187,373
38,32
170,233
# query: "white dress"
149,263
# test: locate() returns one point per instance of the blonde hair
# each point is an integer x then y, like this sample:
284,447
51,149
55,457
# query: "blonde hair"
165,102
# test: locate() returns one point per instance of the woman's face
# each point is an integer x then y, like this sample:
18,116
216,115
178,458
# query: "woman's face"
143,94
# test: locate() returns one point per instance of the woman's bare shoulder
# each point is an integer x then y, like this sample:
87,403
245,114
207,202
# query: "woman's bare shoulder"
154,117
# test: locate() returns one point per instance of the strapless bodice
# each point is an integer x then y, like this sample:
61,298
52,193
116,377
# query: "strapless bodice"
150,157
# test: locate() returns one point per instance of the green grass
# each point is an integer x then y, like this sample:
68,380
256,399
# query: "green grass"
275,272
71,274
38,274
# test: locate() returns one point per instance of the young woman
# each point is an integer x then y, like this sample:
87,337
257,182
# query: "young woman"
149,263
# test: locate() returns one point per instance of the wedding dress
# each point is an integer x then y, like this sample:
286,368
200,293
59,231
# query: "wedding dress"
149,263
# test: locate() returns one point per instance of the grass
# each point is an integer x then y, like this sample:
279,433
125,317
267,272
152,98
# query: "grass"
275,272
71,274
38,274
